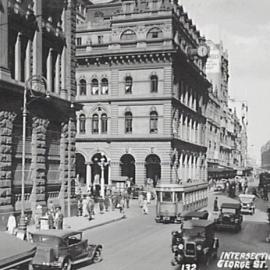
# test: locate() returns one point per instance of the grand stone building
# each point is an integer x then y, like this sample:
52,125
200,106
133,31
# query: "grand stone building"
144,93
36,38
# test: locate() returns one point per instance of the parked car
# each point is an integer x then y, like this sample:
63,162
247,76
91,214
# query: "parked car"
220,186
15,253
247,203
195,243
230,217
61,249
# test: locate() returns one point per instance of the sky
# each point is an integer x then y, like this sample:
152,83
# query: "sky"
244,28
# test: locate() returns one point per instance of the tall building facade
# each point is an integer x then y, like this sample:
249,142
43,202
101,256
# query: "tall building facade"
226,129
143,87
265,156
37,38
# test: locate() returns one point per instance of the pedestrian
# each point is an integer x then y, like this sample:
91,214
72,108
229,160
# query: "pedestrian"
101,204
145,206
148,197
11,225
84,206
216,205
80,207
140,199
59,218
126,197
114,201
107,202
50,219
122,205
91,208
51,207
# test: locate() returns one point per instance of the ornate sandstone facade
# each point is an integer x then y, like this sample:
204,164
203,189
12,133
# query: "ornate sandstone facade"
144,91
36,38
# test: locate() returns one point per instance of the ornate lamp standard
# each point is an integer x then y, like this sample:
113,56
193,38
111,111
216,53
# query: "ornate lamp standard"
35,84
102,164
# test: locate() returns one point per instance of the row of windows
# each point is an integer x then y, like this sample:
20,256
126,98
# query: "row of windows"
100,123
103,89
128,35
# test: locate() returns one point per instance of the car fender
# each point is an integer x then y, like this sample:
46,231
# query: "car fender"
93,248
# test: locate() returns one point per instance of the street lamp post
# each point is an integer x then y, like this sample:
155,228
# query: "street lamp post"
34,83
102,164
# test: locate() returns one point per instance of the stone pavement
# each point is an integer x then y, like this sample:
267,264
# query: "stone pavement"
82,223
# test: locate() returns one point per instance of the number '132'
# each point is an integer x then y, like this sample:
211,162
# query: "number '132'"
188,266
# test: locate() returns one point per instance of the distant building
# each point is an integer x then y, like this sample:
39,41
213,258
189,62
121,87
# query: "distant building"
226,133
144,92
265,156
36,38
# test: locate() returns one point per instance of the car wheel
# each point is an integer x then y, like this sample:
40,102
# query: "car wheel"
97,257
67,265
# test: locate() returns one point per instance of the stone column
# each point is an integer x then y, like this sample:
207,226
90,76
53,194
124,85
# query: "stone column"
109,175
88,175
188,129
190,167
6,126
18,68
180,168
37,41
38,163
185,168
57,75
49,71
27,64
4,72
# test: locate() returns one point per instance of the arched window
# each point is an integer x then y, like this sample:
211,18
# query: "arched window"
154,83
128,122
82,123
82,87
153,122
128,35
94,86
95,123
104,123
104,86
154,33
128,85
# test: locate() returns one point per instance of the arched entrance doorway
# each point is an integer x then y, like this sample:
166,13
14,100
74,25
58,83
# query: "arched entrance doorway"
96,169
127,166
153,168
80,168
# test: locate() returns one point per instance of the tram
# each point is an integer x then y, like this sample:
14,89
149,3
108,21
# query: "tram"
174,200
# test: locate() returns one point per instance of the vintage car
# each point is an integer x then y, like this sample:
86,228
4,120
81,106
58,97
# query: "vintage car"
247,203
61,249
195,243
220,186
15,253
229,217
196,215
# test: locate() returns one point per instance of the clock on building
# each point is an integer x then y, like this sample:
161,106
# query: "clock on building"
202,50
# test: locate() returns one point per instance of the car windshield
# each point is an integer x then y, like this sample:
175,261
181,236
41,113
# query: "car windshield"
228,210
45,239
194,232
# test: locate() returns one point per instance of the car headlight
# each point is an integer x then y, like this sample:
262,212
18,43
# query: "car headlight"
199,247
180,246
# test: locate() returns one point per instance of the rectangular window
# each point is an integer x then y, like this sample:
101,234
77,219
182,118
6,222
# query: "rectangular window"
100,39
79,41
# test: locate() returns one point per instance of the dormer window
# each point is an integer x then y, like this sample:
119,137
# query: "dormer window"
155,33
128,35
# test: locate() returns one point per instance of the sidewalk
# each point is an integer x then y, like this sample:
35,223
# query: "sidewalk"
82,223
